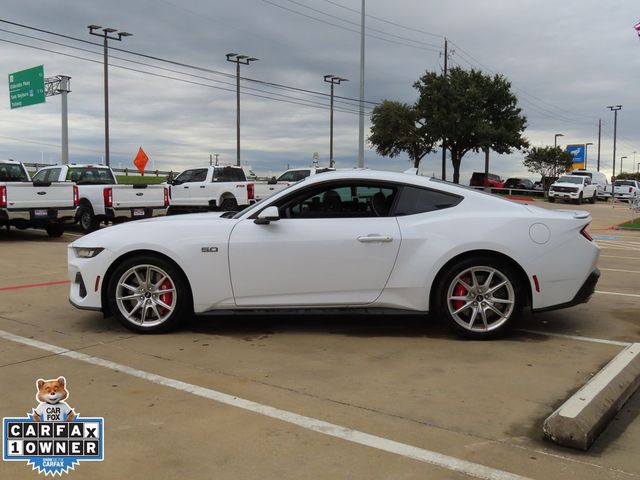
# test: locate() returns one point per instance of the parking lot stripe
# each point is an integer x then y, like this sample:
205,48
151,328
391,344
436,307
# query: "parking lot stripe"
618,294
576,337
618,270
354,436
618,256
34,285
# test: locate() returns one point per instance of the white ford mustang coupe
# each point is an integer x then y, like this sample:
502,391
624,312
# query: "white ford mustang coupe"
346,239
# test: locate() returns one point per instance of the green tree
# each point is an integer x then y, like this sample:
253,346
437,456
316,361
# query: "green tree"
470,111
396,129
547,161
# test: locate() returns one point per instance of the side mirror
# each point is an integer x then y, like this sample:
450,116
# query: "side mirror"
268,215
272,181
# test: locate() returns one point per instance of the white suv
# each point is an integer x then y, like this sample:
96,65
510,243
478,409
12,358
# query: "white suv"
575,188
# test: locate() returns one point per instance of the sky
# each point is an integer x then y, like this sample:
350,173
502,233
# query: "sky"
567,61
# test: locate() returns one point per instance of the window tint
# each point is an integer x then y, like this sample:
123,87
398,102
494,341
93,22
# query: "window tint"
12,172
41,176
54,175
90,175
227,174
193,175
415,200
294,176
341,201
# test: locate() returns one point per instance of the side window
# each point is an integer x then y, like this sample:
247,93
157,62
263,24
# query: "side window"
199,175
227,174
415,200
54,175
341,201
40,176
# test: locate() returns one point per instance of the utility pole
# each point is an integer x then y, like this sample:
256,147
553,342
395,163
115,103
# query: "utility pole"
586,153
105,35
361,114
444,142
216,155
599,136
333,80
614,109
210,160
238,60
60,85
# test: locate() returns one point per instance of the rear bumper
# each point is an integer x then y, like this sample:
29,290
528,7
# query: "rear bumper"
583,295
38,215
134,213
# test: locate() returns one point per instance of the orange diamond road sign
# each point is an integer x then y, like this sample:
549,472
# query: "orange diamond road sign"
141,160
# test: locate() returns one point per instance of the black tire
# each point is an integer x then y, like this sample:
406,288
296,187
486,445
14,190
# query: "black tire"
580,199
496,326
229,205
87,220
181,304
171,211
552,199
55,230
593,199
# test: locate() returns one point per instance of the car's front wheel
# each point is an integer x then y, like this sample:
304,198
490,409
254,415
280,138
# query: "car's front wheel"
149,295
480,297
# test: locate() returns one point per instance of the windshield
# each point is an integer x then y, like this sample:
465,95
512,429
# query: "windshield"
566,179
90,176
12,172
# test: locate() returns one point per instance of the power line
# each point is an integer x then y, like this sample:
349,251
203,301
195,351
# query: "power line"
346,28
182,64
301,102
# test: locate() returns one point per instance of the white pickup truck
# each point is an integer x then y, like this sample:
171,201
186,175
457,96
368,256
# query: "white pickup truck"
24,204
217,187
101,199
577,188
625,190
289,177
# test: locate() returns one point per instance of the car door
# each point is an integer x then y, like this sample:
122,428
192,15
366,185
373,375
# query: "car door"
334,244
186,189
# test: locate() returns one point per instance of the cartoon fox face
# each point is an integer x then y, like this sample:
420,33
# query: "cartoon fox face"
51,391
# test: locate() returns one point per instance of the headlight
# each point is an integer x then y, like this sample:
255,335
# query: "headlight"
87,252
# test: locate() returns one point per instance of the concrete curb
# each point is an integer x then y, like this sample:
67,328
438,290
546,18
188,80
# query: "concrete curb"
579,421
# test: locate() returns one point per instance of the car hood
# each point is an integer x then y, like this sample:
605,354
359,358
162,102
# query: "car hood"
566,184
156,230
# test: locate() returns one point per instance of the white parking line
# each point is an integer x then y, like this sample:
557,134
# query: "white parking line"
618,294
408,451
576,337
618,270
618,256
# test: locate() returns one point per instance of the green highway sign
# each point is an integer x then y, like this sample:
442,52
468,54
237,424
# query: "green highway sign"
26,87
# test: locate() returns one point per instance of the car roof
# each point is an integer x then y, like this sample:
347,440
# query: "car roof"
12,162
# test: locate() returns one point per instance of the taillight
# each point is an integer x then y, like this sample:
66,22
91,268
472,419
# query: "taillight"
250,191
108,197
585,234
3,196
166,197
76,196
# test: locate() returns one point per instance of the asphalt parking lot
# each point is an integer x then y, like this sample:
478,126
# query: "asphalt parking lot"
354,396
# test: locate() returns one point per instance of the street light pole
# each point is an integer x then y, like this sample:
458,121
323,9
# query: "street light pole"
614,109
105,35
238,60
333,80
555,145
361,113
586,153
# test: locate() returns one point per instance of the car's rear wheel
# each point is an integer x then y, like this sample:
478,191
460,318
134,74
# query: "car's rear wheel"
55,230
552,199
88,221
480,297
149,295
229,205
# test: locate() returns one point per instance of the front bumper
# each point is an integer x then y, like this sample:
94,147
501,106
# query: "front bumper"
567,195
86,276
583,295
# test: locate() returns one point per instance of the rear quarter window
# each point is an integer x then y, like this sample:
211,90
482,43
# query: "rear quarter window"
414,200
229,174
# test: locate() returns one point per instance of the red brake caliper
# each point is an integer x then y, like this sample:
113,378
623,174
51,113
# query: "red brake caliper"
167,297
459,291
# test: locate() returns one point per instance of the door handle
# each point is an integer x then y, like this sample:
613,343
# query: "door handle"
186,186
375,238
201,186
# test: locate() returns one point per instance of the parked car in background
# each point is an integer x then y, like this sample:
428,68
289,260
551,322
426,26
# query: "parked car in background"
346,239
286,179
101,199
625,190
538,186
216,187
492,180
598,179
576,188
24,204
519,183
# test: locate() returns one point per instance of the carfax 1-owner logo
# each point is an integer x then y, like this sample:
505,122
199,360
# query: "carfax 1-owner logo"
53,438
